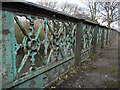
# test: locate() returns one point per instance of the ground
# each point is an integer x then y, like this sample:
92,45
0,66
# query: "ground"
99,72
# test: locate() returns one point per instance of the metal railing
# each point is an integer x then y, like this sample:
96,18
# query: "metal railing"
48,52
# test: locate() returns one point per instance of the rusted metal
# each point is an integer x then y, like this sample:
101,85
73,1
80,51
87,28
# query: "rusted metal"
36,62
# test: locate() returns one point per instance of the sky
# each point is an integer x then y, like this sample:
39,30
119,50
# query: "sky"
77,2
80,3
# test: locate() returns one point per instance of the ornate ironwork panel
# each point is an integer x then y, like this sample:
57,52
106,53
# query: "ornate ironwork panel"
105,36
38,49
87,40
99,38
109,34
39,43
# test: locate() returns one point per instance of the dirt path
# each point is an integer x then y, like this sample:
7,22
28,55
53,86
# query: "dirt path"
101,72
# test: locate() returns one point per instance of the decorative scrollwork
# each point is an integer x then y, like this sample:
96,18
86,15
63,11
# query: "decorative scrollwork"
58,45
99,34
87,37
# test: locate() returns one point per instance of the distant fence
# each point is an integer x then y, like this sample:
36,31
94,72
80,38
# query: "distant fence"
36,62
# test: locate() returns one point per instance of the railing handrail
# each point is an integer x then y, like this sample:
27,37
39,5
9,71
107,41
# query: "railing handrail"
42,11
39,56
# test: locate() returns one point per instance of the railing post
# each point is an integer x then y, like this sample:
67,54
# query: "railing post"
78,43
95,39
118,58
0,47
107,37
110,36
102,38
7,49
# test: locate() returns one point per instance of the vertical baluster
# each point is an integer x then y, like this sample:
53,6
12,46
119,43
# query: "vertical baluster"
8,56
95,39
78,48
46,40
102,38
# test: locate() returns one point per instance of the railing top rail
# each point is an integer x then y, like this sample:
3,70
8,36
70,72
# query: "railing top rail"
34,9
38,10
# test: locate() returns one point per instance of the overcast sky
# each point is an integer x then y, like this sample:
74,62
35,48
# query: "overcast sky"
77,2
80,3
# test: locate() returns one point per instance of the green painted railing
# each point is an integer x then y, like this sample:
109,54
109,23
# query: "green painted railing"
36,57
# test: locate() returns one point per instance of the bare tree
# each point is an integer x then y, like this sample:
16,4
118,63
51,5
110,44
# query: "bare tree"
65,7
69,8
93,10
105,11
52,5
108,12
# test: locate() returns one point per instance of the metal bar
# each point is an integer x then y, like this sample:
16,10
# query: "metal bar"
41,70
34,9
39,29
78,48
23,61
102,40
38,10
95,39
8,60
50,28
107,36
21,27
